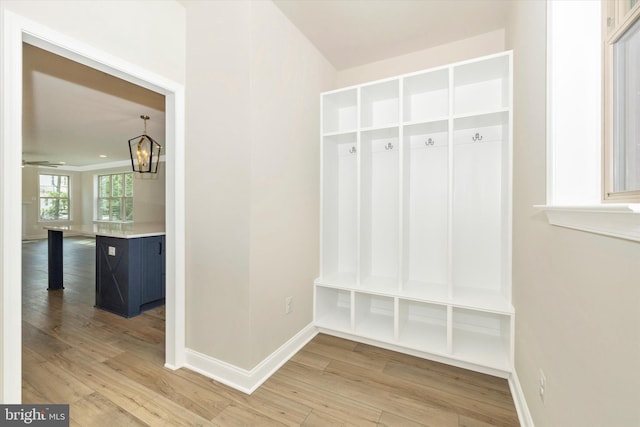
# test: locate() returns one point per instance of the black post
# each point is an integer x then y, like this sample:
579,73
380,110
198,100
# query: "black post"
55,260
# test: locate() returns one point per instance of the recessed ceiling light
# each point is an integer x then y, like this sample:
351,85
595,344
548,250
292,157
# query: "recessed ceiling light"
63,163
104,156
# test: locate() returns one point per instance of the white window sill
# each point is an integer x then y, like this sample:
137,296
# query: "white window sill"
615,220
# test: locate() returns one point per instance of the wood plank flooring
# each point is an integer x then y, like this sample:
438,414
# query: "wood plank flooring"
110,370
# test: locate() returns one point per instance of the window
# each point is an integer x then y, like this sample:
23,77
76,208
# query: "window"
575,108
622,100
115,197
54,198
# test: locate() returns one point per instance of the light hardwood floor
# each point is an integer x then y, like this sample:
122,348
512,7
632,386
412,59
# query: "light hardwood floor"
110,370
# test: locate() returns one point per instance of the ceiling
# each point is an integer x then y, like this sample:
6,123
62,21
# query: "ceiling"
74,113
355,32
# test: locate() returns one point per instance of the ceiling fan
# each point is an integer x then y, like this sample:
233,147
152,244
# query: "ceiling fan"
44,163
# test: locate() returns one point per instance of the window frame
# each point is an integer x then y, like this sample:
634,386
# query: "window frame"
123,199
616,20
68,198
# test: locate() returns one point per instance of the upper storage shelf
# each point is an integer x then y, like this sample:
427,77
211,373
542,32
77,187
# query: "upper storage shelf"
380,104
426,96
482,86
340,112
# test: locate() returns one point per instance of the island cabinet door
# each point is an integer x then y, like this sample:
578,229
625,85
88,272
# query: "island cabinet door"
117,275
153,260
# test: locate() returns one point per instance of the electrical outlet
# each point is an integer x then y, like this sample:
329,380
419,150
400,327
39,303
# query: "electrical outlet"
542,385
288,305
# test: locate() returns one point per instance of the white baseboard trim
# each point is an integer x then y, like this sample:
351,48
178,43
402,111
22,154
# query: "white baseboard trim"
247,381
524,416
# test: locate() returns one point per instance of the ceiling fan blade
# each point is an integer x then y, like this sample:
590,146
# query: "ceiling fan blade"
44,163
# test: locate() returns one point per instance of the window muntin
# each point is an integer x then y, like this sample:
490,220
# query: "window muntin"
115,197
54,197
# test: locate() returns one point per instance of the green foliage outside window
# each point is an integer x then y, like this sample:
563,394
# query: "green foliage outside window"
54,197
115,197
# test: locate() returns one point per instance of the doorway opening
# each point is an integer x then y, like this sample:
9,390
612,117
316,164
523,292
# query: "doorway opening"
16,31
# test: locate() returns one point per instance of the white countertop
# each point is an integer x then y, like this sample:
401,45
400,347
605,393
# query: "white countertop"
125,230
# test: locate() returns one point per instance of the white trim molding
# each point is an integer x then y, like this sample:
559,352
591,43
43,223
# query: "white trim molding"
247,381
11,207
615,220
16,29
524,416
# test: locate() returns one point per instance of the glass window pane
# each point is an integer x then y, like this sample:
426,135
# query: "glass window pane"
63,209
104,186
63,186
117,185
45,185
115,197
103,209
128,185
128,209
627,109
49,209
54,186
116,210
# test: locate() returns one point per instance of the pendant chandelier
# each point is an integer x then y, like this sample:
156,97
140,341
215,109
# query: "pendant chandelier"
144,151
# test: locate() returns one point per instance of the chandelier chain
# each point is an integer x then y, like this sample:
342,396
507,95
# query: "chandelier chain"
145,118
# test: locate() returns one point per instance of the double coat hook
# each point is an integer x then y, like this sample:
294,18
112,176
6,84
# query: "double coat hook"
476,137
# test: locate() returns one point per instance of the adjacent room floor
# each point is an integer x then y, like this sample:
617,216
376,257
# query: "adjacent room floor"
110,370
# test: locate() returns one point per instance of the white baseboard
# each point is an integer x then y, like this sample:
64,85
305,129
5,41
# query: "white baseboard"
524,416
34,237
244,380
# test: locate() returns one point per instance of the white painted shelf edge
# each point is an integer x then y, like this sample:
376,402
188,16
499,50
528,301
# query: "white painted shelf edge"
466,298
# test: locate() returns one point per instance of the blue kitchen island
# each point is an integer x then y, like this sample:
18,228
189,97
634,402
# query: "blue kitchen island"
130,264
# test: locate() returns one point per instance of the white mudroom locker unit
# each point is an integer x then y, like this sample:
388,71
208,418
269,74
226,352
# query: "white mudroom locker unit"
416,214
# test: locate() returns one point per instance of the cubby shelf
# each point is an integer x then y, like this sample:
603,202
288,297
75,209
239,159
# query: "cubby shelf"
416,214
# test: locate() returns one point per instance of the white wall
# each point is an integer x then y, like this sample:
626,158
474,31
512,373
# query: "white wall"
146,32
287,76
252,132
472,47
575,294
149,34
218,186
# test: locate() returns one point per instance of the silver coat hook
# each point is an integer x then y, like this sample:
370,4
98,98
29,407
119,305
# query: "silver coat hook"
429,141
352,150
389,146
476,137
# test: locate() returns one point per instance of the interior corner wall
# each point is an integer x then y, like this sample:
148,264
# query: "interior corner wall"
472,47
287,76
575,294
218,181
253,130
